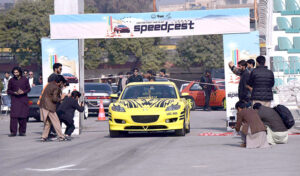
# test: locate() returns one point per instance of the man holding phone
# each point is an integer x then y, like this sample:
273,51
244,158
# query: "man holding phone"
66,112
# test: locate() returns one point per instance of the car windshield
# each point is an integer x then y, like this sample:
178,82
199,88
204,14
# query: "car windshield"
150,91
97,88
36,90
121,26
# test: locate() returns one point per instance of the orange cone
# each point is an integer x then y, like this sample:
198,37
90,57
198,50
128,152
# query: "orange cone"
101,115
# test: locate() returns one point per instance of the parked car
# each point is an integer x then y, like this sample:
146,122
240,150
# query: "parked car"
94,92
197,96
33,96
183,86
121,29
70,78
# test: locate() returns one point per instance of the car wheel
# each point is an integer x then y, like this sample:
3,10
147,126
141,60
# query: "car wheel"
86,111
192,102
114,133
188,130
37,118
181,132
224,104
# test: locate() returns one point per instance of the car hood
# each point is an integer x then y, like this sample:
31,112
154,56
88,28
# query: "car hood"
147,103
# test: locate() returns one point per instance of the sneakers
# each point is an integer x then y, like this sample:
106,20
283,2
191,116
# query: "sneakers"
43,139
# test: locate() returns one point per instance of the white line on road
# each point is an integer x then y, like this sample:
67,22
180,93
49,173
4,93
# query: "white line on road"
61,168
200,166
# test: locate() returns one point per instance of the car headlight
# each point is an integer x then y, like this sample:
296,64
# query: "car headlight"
173,108
118,108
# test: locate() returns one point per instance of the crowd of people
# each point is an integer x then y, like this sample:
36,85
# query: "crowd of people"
258,124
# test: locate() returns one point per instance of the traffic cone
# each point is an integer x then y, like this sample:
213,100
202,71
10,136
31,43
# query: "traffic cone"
101,115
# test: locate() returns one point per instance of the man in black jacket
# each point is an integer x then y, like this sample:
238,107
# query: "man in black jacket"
135,77
261,82
277,133
206,84
243,91
66,111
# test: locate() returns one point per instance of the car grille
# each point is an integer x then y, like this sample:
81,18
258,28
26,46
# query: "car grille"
145,119
152,127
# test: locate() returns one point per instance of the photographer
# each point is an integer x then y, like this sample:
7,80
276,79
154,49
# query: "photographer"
66,112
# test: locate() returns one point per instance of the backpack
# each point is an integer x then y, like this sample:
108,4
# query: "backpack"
285,115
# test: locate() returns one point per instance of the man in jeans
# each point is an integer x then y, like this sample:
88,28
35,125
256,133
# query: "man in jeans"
261,82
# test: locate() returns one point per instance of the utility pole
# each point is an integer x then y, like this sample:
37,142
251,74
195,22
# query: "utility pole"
154,6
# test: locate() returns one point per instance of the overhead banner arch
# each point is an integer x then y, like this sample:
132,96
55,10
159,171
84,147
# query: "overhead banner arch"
154,24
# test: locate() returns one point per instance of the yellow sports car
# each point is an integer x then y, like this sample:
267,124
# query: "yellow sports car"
149,106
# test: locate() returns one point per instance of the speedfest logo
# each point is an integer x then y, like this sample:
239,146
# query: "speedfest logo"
164,27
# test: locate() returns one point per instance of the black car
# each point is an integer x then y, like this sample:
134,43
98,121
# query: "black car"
33,96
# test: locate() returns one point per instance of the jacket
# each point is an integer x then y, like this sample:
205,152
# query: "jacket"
271,118
261,80
67,109
134,78
206,87
243,91
50,97
251,119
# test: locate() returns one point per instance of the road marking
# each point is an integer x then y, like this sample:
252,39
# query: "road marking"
202,166
61,168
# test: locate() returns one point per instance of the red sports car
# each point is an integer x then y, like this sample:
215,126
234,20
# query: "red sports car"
197,96
121,29
70,78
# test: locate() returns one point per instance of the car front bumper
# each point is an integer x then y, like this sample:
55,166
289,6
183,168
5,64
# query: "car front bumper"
160,124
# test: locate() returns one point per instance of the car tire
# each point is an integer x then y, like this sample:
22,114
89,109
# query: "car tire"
188,130
37,118
86,111
114,133
193,103
181,132
224,104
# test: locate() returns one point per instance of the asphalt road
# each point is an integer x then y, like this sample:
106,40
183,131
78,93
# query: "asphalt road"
95,153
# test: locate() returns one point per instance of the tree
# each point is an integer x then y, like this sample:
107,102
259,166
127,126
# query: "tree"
205,51
22,28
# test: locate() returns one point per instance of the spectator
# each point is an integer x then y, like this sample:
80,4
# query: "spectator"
277,133
250,64
32,80
18,87
148,75
57,69
125,80
261,82
243,91
162,73
40,81
6,98
252,128
25,73
206,84
66,111
121,77
50,97
135,77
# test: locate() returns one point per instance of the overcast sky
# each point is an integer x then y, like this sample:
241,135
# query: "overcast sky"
169,2
5,1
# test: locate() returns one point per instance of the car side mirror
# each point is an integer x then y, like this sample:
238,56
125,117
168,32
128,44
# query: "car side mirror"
184,95
114,96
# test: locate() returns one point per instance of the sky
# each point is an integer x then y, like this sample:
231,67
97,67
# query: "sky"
6,1
170,2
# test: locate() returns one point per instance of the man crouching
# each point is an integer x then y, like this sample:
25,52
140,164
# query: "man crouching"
277,133
252,128
66,112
